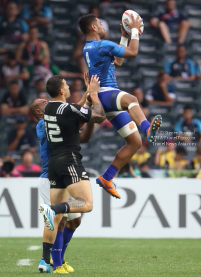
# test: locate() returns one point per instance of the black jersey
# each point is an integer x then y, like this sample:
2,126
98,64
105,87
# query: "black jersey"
62,121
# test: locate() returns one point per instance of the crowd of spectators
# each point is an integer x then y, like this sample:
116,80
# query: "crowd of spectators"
29,55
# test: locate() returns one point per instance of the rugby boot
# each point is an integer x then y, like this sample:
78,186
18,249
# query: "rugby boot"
154,127
67,267
108,186
48,215
44,267
60,270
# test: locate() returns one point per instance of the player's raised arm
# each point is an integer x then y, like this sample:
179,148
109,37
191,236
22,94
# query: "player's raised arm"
98,113
86,81
132,49
124,41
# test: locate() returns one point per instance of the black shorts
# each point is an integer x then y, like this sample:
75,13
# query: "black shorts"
63,171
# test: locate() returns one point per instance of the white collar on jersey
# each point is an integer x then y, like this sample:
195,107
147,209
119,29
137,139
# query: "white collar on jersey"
57,101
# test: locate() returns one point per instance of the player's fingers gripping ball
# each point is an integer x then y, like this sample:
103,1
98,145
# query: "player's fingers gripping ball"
128,17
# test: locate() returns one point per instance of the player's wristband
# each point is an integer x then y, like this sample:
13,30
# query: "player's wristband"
124,41
134,33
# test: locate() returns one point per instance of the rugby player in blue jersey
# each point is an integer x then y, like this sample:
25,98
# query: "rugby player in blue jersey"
121,108
70,221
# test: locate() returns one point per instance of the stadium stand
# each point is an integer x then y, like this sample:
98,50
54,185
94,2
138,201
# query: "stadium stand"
141,72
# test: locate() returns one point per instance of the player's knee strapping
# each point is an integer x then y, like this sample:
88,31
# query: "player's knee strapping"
119,96
118,100
124,124
133,105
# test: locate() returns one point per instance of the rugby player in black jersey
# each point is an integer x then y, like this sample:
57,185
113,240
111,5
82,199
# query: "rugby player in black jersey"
65,172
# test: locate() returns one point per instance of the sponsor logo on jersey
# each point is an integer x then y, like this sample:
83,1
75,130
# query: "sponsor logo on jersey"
83,110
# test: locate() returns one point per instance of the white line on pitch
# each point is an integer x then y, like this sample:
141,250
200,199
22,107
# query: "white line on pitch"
34,247
24,262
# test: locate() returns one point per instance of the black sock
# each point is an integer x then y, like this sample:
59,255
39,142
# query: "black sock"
61,208
47,248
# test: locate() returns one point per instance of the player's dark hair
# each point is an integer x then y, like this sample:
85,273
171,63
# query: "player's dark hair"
181,150
54,84
85,21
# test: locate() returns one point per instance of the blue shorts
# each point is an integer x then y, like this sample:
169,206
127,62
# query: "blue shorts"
122,122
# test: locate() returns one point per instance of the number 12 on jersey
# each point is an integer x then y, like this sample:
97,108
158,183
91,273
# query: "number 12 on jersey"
52,130
87,59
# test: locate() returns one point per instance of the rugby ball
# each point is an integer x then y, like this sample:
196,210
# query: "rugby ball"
127,16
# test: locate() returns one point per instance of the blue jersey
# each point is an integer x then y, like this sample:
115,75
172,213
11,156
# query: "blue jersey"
45,149
99,56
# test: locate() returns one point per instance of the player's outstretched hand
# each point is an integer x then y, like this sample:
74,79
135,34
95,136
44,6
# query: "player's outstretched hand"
94,85
136,22
123,32
86,79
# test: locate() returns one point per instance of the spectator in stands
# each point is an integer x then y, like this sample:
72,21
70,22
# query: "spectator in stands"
128,171
96,10
3,4
12,70
38,15
142,155
163,157
45,96
77,86
162,93
196,162
40,86
170,20
66,74
144,169
188,128
13,29
36,55
181,68
138,93
7,169
179,161
34,51
197,70
28,165
75,97
21,138
14,102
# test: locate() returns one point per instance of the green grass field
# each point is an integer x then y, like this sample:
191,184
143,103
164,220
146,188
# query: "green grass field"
109,257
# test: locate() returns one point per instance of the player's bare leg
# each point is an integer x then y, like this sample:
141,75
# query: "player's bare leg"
127,102
82,203
123,156
134,142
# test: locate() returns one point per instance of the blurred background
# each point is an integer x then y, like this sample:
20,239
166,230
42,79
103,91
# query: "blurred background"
40,38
